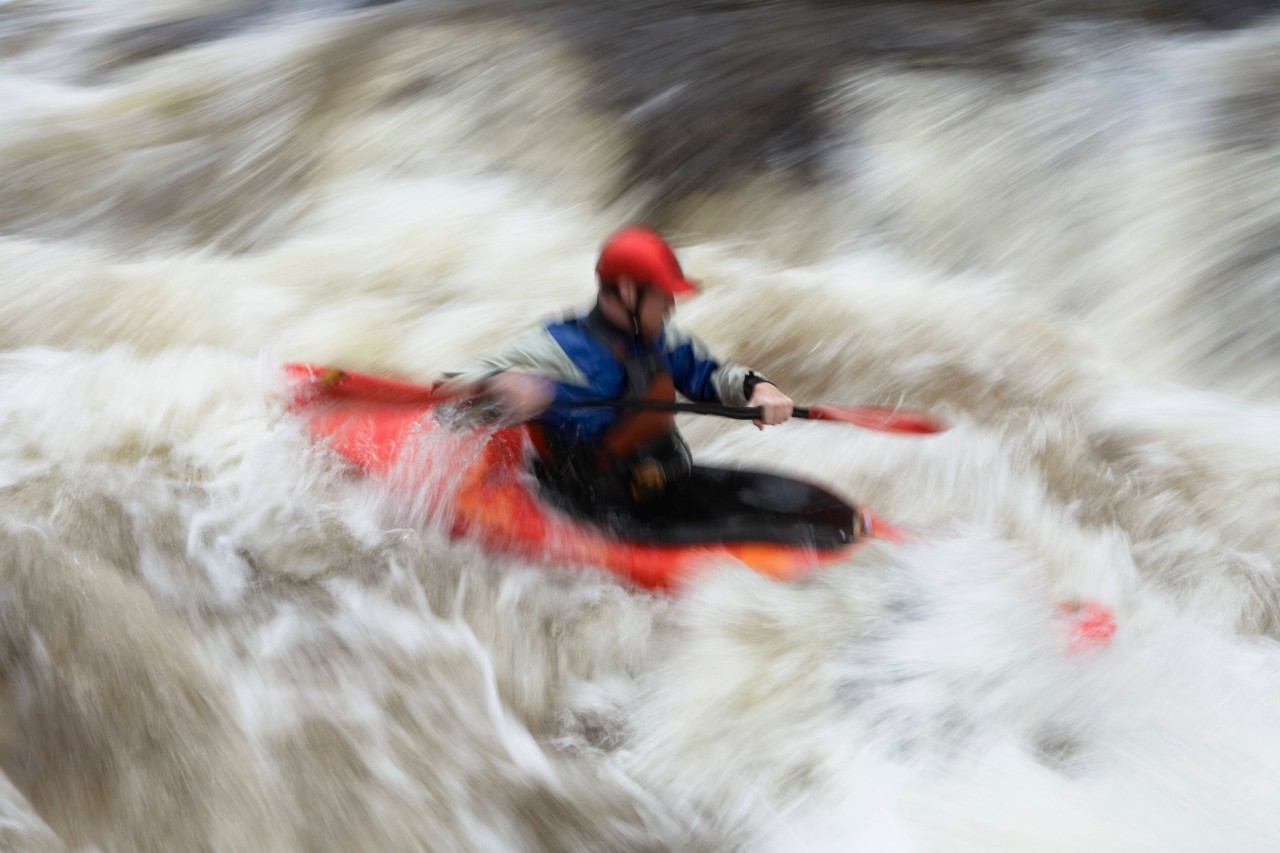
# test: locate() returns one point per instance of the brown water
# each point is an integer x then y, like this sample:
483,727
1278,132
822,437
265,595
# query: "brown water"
1059,232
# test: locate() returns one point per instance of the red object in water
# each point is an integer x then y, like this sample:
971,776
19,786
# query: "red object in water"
1089,624
480,483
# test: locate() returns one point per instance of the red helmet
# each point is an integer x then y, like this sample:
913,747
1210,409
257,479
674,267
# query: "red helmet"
641,253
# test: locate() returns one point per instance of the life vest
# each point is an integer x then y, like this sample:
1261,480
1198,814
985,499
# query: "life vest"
637,457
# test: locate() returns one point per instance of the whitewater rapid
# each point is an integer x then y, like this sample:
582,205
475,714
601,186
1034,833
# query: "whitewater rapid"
214,637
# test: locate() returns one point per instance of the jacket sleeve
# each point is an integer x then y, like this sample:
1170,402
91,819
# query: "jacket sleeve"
536,352
700,376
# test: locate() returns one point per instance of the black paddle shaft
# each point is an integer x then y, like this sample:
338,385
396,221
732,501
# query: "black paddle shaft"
738,413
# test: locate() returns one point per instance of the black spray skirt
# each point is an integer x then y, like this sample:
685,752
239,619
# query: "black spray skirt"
722,505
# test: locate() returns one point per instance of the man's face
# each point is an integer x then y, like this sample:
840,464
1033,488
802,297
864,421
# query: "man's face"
655,307
652,305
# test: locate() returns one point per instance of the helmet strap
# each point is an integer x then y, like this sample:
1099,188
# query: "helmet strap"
633,311
641,294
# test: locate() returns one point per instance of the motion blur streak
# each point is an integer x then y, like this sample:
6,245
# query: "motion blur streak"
1058,228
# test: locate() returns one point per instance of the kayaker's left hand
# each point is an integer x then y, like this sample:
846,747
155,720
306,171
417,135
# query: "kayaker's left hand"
776,407
521,396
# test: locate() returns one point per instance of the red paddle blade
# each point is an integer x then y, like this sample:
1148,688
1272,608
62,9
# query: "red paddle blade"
313,383
1088,624
885,420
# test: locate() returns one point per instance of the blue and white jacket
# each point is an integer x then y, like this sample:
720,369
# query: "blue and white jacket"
580,355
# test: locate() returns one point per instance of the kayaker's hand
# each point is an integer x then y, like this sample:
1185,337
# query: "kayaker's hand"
522,396
776,406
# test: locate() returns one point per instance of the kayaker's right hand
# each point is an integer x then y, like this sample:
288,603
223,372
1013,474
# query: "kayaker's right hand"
521,396
775,407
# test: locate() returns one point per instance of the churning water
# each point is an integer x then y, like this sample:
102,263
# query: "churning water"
1060,232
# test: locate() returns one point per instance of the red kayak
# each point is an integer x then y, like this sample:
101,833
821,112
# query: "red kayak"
480,485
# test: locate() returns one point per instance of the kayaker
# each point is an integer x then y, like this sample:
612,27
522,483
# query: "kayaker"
601,460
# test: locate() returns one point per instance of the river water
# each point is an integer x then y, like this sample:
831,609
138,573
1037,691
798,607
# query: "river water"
1057,227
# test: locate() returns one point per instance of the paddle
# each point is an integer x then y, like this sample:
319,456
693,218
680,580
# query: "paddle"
314,382
867,417
320,382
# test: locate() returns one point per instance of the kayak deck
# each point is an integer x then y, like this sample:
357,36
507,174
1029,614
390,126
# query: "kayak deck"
726,505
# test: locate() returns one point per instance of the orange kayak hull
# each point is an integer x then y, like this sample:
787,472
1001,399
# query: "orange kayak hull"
480,485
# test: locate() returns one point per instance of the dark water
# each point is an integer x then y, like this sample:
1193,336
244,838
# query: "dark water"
1051,223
